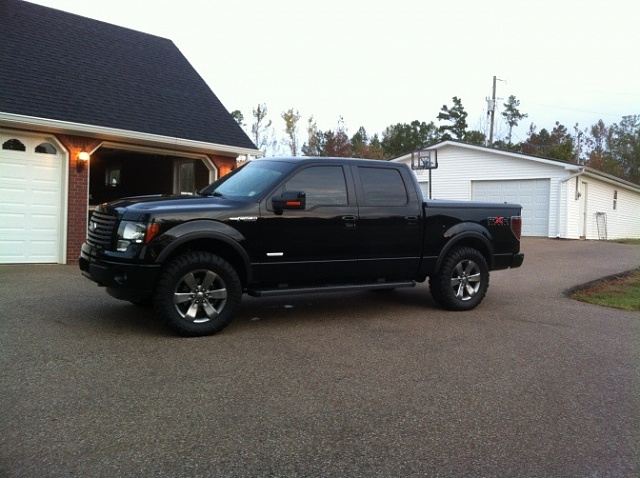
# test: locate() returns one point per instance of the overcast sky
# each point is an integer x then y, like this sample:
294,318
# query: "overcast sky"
377,63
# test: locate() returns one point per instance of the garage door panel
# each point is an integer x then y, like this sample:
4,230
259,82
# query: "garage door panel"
509,198
45,223
14,171
44,201
12,224
532,194
12,251
42,248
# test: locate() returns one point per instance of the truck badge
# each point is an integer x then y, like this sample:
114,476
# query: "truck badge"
498,221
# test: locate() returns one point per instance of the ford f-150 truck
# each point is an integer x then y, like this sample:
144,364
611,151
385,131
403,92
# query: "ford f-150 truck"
295,225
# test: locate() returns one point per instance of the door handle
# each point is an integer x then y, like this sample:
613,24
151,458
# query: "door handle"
350,221
412,220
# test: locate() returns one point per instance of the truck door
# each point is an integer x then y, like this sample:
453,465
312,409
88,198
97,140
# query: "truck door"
390,222
317,243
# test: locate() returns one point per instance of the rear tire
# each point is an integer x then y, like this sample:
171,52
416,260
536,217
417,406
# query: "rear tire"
462,281
198,294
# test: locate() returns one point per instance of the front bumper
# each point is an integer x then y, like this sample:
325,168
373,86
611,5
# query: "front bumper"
123,281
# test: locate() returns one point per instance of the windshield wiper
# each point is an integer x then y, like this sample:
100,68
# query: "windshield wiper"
209,194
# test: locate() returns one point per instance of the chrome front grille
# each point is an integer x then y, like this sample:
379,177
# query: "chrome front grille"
102,229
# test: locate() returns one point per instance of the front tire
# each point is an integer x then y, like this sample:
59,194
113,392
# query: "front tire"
462,281
198,294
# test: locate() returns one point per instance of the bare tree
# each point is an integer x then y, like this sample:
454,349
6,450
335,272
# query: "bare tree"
261,129
291,119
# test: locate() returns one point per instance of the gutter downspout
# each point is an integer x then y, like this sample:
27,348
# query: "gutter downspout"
580,172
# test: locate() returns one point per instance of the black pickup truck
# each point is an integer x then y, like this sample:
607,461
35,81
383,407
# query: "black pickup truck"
295,225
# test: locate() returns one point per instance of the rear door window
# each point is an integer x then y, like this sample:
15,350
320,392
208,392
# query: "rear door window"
383,187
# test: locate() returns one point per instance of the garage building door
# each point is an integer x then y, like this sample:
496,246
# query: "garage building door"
532,194
30,201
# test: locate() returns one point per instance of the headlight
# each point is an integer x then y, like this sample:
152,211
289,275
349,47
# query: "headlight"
130,233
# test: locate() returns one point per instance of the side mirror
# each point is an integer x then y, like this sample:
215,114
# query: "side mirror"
289,200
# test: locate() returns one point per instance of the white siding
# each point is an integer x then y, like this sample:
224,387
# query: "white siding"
424,185
623,221
569,209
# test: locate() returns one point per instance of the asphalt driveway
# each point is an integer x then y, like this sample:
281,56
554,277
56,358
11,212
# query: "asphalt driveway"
530,384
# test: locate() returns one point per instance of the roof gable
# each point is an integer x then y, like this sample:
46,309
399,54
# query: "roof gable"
65,67
510,154
495,152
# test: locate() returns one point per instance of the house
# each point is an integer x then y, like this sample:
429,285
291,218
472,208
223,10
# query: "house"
559,199
89,112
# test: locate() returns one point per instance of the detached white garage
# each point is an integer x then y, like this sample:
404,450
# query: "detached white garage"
32,210
558,198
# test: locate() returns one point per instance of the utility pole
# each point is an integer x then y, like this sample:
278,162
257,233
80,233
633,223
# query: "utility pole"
492,111
578,147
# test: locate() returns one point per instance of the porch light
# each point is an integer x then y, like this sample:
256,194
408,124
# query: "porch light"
82,160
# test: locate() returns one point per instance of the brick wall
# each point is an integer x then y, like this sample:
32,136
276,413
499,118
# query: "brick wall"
225,164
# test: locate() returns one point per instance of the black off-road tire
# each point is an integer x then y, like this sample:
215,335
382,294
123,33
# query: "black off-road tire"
462,281
198,294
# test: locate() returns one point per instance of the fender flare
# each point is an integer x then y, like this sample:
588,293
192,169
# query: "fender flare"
464,232
191,231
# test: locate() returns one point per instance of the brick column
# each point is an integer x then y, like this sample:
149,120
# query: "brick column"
78,197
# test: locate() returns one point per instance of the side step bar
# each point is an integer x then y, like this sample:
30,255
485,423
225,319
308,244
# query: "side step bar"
329,288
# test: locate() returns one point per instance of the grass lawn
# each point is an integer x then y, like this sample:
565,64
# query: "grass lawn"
621,292
627,241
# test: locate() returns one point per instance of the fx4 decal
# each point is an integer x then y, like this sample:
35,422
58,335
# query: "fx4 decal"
498,221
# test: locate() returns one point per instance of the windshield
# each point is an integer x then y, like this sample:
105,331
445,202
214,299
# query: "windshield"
249,181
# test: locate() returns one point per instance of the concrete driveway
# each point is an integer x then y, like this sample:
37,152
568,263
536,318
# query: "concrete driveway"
531,384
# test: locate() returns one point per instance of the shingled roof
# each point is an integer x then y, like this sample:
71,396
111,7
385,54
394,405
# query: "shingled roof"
66,67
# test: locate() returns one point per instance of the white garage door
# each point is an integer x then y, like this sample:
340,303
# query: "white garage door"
30,201
532,194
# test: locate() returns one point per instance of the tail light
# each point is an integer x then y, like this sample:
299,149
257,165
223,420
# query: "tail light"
516,226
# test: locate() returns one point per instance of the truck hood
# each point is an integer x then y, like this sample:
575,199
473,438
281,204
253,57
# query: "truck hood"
159,201
135,208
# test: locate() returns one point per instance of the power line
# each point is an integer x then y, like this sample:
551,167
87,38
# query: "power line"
564,108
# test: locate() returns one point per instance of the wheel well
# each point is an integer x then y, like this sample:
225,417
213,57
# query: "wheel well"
474,243
220,249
